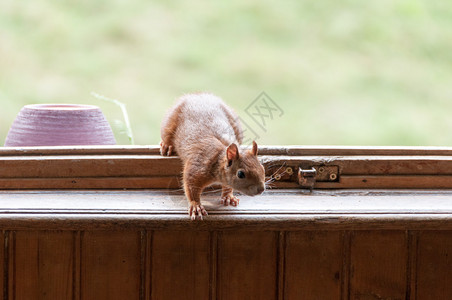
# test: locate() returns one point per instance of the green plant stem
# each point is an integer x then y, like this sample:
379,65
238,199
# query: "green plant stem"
123,108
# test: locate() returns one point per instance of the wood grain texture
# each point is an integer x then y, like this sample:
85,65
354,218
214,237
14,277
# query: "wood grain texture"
247,265
281,267
412,265
88,166
378,265
270,202
369,165
4,264
157,182
143,167
146,264
390,182
81,150
285,244
434,265
41,265
275,222
274,210
313,265
180,265
242,264
293,150
110,265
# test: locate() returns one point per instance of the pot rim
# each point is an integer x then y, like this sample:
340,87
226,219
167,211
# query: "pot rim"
60,106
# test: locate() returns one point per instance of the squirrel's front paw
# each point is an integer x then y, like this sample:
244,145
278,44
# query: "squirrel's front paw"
230,199
166,149
196,211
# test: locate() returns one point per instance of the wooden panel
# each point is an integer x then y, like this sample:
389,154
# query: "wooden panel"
263,150
390,182
282,202
81,150
180,265
142,167
173,182
434,265
247,265
170,182
377,182
273,210
110,265
368,165
41,265
378,265
352,150
3,277
313,265
88,166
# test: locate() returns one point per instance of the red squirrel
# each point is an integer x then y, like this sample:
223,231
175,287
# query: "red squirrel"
206,135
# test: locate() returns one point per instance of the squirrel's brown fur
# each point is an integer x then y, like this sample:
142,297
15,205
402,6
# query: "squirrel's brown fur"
206,133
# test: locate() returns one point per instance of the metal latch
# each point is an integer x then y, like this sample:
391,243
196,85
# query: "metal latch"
306,178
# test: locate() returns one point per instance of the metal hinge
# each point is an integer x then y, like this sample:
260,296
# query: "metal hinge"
306,177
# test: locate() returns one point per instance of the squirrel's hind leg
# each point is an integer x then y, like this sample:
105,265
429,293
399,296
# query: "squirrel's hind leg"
166,149
168,129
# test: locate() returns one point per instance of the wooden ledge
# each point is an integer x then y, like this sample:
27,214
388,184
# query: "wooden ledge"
290,150
142,167
274,210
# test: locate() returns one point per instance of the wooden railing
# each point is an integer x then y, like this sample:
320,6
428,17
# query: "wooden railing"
112,223
143,167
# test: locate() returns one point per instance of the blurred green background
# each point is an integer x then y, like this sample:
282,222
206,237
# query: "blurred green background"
343,72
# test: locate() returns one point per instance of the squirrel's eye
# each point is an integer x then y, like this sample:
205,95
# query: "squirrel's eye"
241,174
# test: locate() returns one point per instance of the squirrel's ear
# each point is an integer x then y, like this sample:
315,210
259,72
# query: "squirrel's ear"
232,153
254,150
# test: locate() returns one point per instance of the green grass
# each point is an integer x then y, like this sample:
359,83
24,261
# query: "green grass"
344,72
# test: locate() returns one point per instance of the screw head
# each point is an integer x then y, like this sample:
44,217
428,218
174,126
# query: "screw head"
289,170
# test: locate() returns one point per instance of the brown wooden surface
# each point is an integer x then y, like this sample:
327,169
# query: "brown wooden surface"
270,202
171,182
391,182
353,150
247,265
80,150
293,150
378,265
141,167
4,255
286,244
65,166
41,265
274,210
311,258
180,265
110,265
431,182
316,265
434,265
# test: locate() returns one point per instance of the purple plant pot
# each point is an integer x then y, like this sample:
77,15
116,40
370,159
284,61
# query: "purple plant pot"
59,125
